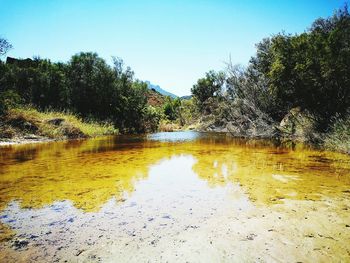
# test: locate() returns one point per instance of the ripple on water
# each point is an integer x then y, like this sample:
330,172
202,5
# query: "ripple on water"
152,197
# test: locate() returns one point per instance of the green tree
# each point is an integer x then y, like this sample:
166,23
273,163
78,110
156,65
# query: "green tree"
310,70
171,108
5,46
208,87
91,81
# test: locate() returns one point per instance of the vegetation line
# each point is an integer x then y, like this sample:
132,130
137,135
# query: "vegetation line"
295,87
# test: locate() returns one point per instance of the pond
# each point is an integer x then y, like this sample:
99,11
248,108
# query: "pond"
176,197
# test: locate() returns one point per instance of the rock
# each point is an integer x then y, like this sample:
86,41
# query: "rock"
30,127
56,121
23,124
298,124
20,243
251,236
241,118
32,137
72,132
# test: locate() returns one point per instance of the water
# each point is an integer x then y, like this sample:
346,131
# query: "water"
184,196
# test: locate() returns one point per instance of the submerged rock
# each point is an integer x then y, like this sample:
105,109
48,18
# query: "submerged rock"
20,244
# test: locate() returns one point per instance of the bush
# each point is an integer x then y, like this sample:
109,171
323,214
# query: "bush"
9,99
171,108
152,118
339,136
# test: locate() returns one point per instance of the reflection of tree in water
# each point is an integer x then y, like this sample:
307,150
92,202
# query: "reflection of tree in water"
5,233
79,172
89,173
269,175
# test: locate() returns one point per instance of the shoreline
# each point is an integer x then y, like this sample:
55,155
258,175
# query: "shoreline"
20,141
28,125
33,139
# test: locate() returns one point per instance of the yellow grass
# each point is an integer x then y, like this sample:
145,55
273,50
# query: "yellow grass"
18,120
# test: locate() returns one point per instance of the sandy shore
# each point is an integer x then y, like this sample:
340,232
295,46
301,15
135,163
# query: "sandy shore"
24,140
294,232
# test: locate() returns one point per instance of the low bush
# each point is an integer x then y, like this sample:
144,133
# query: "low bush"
338,139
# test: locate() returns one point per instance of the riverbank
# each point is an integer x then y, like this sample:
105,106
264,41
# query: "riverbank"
25,140
27,125
297,126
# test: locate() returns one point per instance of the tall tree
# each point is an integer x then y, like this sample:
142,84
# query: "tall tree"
208,87
5,46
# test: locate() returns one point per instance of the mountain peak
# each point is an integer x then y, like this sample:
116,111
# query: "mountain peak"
160,90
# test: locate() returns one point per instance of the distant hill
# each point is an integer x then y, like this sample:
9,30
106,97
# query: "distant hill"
160,90
188,97
154,98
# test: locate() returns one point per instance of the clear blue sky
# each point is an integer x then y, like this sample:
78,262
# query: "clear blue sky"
170,43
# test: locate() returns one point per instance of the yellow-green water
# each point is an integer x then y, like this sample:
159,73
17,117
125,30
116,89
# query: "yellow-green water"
173,197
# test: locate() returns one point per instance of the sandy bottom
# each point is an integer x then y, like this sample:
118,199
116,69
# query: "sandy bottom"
178,218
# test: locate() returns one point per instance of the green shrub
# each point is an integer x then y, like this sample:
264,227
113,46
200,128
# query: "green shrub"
9,99
338,138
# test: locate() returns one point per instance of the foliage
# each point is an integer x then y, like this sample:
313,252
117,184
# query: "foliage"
86,85
5,46
310,71
248,84
339,136
8,100
152,118
178,114
187,112
171,108
208,87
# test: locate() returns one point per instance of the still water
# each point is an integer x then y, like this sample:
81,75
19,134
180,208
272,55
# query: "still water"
176,197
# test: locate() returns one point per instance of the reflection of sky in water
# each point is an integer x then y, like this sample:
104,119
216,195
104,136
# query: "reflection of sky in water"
174,136
90,172
170,200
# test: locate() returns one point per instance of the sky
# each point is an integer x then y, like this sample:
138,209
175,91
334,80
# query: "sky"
171,43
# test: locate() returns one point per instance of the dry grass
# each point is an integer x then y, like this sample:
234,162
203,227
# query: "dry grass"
56,125
338,139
